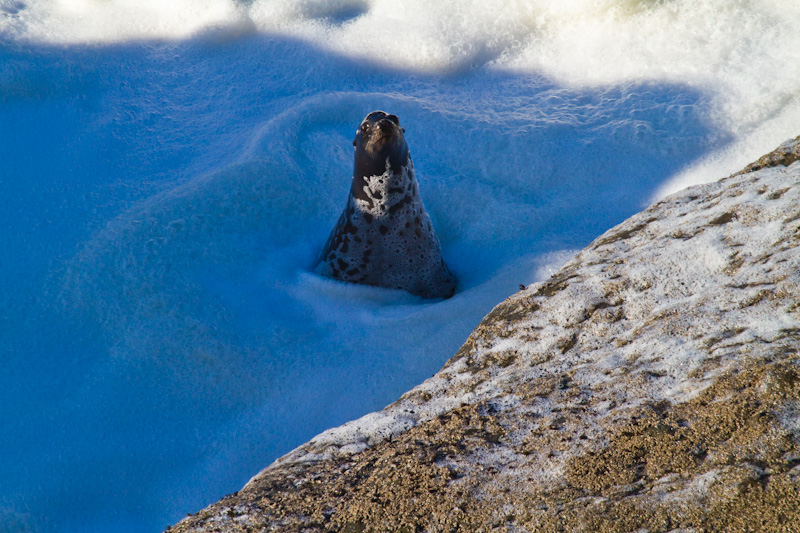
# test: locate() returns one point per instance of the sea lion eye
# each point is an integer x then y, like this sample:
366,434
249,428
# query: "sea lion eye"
394,119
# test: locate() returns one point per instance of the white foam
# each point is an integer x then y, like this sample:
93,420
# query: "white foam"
95,21
175,167
743,55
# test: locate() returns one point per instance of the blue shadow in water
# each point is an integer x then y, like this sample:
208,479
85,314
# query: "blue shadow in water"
510,165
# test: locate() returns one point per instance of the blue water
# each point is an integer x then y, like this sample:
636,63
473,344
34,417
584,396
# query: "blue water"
162,335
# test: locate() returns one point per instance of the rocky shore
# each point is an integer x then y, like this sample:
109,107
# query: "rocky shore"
652,384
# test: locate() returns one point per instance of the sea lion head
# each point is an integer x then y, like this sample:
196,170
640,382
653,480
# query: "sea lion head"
379,145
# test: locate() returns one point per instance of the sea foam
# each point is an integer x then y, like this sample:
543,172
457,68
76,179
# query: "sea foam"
169,172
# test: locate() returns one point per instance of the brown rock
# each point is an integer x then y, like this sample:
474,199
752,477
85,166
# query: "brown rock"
652,384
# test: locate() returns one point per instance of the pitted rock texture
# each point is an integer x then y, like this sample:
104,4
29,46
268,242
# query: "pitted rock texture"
784,155
652,384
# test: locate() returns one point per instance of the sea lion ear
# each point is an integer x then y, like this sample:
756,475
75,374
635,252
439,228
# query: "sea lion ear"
354,142
404,130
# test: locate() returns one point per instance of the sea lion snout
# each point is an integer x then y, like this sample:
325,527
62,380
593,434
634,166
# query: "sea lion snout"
386,125
379,124
385,131
379,141
391,119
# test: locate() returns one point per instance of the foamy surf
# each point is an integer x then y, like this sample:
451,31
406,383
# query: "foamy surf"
170,171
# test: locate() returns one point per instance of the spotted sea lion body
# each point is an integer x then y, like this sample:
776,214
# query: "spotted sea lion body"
384,236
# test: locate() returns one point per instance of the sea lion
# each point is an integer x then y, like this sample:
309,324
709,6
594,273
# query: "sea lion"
384,236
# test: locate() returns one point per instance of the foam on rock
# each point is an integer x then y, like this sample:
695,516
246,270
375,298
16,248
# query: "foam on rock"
649,383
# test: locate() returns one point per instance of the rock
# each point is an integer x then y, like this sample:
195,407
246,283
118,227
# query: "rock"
784,155
652,384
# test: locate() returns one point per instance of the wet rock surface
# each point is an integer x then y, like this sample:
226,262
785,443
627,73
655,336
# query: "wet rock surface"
653,383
